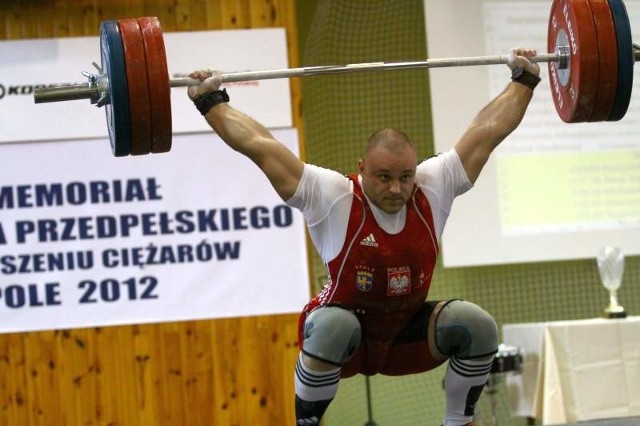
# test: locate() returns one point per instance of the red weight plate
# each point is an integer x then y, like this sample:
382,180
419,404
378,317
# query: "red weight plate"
158,79
574,88
136,69
607,60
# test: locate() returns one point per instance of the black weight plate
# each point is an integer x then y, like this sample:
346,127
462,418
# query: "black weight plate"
626,60
117,110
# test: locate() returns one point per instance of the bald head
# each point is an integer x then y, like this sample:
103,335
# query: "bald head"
392,140
388,169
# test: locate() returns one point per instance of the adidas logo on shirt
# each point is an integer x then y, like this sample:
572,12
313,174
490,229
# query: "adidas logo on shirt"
369,240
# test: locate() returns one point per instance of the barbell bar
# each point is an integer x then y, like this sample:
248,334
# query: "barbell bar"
91,91
590,72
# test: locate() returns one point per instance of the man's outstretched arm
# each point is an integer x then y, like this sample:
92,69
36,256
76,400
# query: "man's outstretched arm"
498,118
248,137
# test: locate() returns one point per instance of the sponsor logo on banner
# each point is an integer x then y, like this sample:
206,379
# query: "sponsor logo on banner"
398,281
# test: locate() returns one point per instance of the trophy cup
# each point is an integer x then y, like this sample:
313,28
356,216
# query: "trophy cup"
611,267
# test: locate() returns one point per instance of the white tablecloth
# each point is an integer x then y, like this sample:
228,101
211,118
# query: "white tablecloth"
576,370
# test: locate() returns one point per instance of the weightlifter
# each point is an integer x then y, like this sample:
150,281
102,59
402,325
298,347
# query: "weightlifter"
378,232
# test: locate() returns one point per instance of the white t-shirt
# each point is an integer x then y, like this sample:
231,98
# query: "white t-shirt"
324,197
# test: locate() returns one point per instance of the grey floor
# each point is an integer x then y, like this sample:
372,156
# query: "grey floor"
629,421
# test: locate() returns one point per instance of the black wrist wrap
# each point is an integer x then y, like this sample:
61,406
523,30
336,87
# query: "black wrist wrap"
206,102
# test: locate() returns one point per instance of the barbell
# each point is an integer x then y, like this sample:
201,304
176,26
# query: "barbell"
590,64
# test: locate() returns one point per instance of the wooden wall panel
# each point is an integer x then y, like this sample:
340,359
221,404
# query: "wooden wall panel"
221,372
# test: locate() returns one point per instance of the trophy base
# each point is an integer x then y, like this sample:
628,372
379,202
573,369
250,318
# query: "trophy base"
614,314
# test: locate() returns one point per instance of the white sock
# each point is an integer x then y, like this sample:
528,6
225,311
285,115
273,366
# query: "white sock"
312,385
463,384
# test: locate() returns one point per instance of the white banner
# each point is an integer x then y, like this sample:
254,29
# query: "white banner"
27,64
87,239
551,191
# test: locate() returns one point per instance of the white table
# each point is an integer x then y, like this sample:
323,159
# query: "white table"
576,370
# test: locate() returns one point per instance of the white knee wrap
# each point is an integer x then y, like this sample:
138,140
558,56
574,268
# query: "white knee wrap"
331,334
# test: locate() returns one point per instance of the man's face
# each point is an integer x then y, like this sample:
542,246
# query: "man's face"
388,177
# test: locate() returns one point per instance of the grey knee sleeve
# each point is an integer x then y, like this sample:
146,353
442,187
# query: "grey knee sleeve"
331,334
466,330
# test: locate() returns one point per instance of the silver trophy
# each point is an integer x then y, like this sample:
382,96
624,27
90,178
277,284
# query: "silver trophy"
611,267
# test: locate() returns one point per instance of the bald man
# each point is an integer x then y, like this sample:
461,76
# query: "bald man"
378,233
